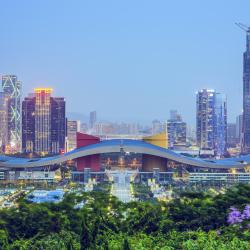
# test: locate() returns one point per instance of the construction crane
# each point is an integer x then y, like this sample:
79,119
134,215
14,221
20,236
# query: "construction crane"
243,27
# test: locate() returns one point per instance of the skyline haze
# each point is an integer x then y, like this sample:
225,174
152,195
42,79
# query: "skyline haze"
127,63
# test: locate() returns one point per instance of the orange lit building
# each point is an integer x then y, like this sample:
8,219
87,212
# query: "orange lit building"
43,123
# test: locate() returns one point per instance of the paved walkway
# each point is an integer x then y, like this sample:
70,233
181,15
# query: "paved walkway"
121,187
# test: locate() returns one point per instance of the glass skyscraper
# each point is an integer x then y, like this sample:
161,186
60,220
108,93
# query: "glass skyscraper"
211,121
220,124
177,130
28,124
246,96
3,121
12,87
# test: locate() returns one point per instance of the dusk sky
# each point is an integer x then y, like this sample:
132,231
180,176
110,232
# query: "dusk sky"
128,60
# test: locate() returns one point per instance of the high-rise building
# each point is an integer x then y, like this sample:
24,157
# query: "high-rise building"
12,87
28,124
239,125
92,119
177,130
58,125
72,128
43,123
205,119
43,120
211,121
220,124
246,95
231,135
3,121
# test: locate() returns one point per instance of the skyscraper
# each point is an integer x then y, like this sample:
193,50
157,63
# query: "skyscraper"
12,87
220,124
43,123
72,128
231,135
205,118
239,125
43,120
177,130
211,121
58,124
92,119
3,121
28,124
246,96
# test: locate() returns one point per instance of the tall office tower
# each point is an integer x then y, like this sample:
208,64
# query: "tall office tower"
92,119
43,120
220,132
231,135
58,125
205,118
28,124
43,123
12,87
239,124
3,121
177,130
72,128
246,95
211,121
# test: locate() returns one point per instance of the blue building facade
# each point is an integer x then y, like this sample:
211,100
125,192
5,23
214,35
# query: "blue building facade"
246,96
211,121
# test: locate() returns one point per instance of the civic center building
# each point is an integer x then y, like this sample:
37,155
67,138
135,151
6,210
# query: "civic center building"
150,157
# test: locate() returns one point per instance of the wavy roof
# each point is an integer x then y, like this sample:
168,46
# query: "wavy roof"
112,146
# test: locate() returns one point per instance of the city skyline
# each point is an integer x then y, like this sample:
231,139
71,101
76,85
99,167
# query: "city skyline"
124,124
99,59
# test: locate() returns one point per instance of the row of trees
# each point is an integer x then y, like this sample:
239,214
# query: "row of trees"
191,221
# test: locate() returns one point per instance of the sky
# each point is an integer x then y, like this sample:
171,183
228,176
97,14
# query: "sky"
130,60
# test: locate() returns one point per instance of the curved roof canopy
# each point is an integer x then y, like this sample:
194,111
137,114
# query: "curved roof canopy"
113,146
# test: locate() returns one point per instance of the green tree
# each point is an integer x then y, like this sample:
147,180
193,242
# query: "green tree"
4,245
85,236
125,245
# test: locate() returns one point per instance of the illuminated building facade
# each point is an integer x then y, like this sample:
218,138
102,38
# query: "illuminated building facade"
72,128
177,130
28,124
12,87
43,123
58,125
43,120
3,121
220,124
211,121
